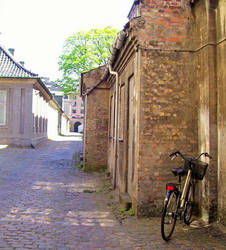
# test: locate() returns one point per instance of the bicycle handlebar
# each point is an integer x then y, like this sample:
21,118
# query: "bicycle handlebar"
175,154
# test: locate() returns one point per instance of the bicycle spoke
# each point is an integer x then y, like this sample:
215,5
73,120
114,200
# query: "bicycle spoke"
169,217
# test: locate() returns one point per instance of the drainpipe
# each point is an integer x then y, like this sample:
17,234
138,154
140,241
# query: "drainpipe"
115,139
116,47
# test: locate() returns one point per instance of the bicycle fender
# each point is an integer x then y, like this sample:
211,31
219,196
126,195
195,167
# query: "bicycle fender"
167,195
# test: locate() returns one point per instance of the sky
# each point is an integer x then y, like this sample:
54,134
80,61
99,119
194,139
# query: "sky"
37,29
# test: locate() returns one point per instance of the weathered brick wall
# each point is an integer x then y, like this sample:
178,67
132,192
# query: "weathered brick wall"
96,134
167,122
178,68
96,121
167,105
162,23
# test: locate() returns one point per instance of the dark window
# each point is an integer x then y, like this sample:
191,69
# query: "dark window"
66,97
74,104
73,111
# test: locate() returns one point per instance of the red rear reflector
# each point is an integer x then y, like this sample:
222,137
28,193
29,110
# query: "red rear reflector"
170,188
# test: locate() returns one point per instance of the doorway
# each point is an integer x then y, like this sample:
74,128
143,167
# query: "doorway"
76,125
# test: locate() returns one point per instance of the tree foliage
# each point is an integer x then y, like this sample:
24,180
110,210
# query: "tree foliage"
82,52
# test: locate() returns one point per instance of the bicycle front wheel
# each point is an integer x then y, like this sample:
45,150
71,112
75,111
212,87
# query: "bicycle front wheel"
189,203
169,216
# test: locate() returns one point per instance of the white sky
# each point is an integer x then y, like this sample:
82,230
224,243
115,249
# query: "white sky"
38,28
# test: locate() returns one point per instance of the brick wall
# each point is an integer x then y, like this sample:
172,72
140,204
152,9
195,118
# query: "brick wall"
168,121
162,23
96,121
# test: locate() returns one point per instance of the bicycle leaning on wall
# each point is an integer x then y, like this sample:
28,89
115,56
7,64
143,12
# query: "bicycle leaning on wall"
178,201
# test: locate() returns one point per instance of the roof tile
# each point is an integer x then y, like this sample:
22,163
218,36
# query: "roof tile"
9,68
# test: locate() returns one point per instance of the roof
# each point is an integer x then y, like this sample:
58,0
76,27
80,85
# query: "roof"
83,91
9,68
51,85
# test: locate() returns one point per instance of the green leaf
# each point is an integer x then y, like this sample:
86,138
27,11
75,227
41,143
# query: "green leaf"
83,51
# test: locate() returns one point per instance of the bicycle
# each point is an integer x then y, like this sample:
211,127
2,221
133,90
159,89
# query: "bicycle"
180,202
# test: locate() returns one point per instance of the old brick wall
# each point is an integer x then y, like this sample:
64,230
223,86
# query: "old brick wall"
178,68
167,111
168,121
96,121
96,129
162,23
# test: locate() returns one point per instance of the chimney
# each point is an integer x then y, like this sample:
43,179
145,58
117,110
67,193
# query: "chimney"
22,63
11,50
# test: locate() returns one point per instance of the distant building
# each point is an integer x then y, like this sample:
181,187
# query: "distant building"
71,104
74,108
56,91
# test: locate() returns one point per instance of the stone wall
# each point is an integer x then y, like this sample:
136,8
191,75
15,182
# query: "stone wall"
221,102
207,33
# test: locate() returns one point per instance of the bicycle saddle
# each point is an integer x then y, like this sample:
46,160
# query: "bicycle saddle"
179,171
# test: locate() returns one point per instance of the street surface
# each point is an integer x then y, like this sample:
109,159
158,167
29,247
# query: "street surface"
47,203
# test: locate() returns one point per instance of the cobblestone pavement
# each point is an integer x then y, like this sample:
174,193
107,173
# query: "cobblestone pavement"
47,203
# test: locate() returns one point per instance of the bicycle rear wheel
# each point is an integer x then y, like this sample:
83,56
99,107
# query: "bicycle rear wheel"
189,203
169,216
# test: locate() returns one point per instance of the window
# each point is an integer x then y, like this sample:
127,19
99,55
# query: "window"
82,111
3,99
74,104
73,111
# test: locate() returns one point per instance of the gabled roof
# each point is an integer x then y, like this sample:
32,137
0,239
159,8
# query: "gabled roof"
9,68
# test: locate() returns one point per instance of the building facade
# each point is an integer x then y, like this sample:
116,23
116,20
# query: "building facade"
28,112
74,108
166,86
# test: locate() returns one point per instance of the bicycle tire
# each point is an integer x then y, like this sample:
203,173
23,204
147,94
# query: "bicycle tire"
189,203
169,216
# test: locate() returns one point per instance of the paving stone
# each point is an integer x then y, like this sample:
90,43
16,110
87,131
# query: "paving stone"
47,203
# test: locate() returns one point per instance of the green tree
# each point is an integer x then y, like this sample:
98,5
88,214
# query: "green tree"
83,51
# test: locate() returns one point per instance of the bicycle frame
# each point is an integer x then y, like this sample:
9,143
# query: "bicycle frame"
185,188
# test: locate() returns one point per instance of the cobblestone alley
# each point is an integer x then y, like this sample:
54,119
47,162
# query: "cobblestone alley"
47,203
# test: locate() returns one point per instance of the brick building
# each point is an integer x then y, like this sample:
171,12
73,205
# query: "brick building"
166,91
74,108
